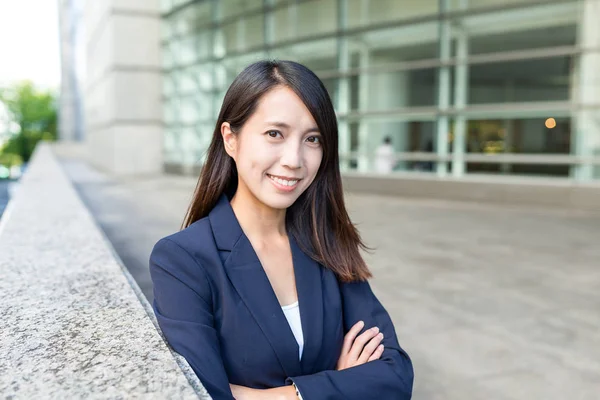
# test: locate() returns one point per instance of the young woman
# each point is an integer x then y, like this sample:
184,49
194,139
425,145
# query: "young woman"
265,292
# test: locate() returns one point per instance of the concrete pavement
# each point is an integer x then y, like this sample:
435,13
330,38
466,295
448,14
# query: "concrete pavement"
491,302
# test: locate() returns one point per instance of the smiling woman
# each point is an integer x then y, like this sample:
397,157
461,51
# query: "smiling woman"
264,290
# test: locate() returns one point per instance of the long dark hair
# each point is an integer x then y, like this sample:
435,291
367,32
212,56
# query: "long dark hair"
318,219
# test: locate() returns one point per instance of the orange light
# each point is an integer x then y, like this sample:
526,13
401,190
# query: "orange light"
550,123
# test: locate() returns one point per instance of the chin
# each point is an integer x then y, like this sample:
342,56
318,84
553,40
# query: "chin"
278,201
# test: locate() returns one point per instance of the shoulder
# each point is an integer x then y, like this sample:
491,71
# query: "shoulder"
190,243
193,237
181,257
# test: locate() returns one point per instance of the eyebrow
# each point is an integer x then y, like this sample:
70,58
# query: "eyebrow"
283,125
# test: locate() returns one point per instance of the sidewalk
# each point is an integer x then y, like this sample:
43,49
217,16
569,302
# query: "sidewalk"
491,302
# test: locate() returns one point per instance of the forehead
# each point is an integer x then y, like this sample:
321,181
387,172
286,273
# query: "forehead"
281,104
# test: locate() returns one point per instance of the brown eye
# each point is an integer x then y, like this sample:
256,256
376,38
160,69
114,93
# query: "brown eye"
314,139
273,134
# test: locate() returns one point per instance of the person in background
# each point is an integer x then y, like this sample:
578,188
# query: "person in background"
384,157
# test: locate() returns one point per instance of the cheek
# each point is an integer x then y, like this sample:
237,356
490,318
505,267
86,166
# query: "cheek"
313,161
254,159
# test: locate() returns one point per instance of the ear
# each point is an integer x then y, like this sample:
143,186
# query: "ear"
229,139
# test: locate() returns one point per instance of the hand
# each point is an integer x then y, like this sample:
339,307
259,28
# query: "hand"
362,349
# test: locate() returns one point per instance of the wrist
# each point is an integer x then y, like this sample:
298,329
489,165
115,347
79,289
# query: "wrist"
281,393
297,391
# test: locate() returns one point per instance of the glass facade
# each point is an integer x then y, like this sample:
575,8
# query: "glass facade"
461,87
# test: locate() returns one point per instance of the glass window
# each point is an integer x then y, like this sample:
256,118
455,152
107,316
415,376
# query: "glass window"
218,103
531,135
192,79
523,39
243,34
187,50
190,145
546,25
305,19
330,85
406,136
378,91
177,3
393,45
191,19
546,79
168,61
367,12
463,4
165,5
195,107
169,88
319,55
204,131
185,80
232,66
172,150
170,111
166,29
231,8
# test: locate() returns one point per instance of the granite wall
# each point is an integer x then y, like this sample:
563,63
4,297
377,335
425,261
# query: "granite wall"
74,323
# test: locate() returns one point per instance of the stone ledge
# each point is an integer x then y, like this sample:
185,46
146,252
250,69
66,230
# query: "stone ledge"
74,323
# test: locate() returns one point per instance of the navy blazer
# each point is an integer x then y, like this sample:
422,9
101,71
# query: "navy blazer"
216,307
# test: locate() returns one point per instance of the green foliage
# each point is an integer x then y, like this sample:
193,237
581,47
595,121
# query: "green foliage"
35,113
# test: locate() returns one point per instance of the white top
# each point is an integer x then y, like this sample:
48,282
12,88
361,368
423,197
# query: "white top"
292,314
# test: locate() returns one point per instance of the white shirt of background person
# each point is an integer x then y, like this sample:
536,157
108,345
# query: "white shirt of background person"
384,157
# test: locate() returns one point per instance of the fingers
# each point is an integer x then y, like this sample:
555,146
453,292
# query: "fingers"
370,348
350,336
376,354
361,341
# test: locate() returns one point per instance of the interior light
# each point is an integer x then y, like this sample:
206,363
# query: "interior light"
550,123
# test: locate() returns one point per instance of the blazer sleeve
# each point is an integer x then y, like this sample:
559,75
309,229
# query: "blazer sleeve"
390,377
183,308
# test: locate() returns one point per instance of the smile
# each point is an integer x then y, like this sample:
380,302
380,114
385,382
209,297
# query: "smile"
284,183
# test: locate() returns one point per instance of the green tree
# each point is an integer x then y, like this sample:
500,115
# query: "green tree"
35,113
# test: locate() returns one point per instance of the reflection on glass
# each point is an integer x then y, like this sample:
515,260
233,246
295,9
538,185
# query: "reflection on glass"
231,8
394,45
319,55
243,34
521,38
306,18
393,90
367,12
546,79
519,136
464,4
385,59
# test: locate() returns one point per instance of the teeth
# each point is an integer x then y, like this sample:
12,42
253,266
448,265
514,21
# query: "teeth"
283,181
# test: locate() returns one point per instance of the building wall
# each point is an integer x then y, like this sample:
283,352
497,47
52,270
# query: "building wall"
123,109
455,78
71,125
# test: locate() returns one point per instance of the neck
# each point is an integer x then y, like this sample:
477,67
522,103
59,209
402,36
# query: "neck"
257,219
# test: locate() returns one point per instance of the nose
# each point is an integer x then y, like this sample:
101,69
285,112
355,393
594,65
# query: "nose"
292,155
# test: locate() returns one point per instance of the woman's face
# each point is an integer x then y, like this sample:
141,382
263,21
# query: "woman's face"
278,150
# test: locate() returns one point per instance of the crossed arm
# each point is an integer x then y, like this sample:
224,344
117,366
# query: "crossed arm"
365,370
356,350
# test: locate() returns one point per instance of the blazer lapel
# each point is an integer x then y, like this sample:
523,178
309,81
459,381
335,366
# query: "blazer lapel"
252,284
310,298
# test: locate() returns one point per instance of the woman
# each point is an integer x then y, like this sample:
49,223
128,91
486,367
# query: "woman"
265,292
